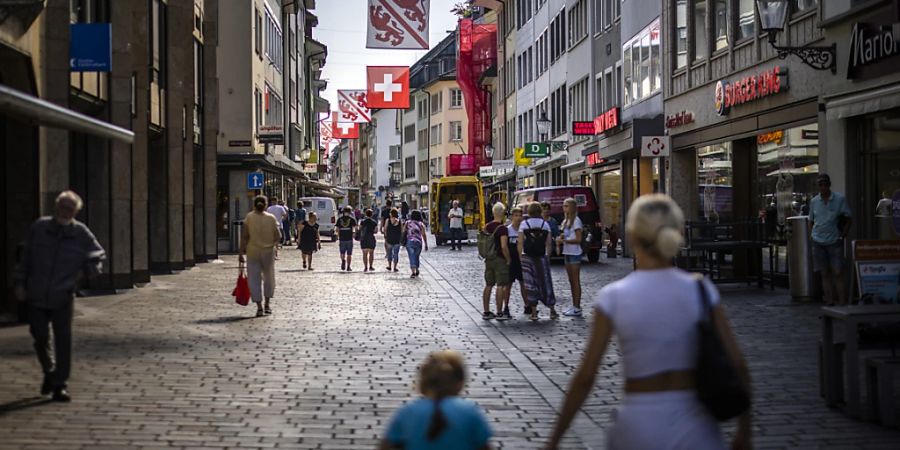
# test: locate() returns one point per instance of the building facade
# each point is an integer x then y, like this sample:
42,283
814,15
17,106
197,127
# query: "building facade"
137,153
268,105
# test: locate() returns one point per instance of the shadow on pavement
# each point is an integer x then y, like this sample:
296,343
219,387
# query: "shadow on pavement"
25,403
228,319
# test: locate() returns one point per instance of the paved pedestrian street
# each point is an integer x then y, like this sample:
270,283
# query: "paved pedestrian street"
178,364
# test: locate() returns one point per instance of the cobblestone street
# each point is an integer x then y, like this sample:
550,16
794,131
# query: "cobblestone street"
178,364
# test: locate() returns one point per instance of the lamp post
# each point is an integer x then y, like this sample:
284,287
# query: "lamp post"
543,125
773,15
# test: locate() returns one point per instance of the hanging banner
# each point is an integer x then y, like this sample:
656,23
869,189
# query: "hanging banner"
520,158
398,24
343,130
353,106
387,87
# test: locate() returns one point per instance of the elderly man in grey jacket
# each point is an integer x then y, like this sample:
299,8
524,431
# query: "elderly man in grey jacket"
58,252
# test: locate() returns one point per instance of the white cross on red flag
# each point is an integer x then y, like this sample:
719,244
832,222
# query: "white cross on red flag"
353,106
343,130
388,87
400,24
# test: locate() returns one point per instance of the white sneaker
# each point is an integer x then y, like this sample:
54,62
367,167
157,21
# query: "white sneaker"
573,312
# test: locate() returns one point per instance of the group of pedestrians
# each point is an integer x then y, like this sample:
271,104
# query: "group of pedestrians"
661,352
519,251
289,219
396,231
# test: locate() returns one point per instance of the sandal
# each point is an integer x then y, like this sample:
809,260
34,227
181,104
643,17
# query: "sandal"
268,310
534,314
554,314
260,312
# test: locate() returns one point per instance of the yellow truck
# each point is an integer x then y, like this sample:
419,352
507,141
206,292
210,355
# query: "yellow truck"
441,194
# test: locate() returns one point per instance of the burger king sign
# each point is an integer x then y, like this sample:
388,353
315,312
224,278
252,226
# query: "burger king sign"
750,88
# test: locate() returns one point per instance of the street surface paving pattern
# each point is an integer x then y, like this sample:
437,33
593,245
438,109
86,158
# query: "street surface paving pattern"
178,364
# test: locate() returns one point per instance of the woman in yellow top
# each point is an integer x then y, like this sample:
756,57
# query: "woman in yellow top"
258,239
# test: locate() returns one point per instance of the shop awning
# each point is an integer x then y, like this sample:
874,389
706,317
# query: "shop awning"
843,106
575,165
20,105
556,160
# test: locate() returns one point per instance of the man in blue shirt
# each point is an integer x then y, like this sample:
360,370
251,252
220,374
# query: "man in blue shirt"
829,219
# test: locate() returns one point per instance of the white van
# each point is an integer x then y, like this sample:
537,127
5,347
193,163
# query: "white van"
326,211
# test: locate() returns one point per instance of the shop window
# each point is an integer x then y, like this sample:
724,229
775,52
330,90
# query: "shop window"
802,6
881,209
715,181
787,164
611,196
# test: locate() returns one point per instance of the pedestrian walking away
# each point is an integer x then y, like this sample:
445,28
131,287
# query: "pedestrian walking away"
287,225
393,239
515,266
569,241
440,419
346,228
457,231
280,213
415,240
829,221
534,244
493,247
300,214
384,215
404,211
655,312
259,238
367,229
310,241
58,252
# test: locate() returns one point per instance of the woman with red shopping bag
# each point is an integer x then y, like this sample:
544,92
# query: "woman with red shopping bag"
259,236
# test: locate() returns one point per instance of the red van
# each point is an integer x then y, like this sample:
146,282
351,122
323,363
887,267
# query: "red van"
588,211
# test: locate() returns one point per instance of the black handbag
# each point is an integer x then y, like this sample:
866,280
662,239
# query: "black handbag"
719,386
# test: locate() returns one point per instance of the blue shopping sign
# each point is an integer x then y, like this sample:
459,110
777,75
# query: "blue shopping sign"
255,180
90,47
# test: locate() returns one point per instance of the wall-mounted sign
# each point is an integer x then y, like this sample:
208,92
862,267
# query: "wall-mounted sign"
748,89
271,134
520,158
90,47
536,150
776,136
680,119
239,143
592,159
310,168
656,146
583,128
606,121
870,44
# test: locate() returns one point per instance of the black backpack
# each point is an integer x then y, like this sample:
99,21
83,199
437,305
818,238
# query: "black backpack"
535,243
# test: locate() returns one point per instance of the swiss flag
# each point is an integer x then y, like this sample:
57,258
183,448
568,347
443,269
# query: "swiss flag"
343,130
387,87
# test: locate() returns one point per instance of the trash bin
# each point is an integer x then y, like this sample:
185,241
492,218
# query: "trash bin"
236,234
801,276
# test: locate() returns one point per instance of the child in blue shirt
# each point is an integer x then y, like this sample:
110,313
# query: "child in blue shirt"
440,419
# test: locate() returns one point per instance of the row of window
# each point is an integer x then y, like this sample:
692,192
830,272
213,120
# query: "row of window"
578,22
526,9
641,60
706,25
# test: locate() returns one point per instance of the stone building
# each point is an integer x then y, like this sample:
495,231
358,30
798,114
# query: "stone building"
129,137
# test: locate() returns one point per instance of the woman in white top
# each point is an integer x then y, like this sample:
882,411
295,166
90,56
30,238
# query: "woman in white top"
655,311
570,240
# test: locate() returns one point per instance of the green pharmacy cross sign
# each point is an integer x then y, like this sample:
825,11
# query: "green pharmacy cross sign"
536,150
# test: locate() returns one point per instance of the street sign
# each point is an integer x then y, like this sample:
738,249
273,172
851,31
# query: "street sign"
656,146
271,134
90,47
240,143
255,180
503,164
536,150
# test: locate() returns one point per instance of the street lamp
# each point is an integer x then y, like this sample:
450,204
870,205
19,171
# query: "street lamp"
773,15
304,154
489,151
543,124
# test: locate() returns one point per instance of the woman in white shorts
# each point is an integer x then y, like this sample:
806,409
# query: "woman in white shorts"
655,312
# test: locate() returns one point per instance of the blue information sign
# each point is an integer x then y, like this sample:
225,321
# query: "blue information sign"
255,180
90,47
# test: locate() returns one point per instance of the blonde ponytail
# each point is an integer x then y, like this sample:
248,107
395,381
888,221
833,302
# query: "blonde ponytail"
655,222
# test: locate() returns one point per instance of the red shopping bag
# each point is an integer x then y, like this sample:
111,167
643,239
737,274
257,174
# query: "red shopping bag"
241,291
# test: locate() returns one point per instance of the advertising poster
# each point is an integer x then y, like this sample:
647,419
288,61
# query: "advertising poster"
878,271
